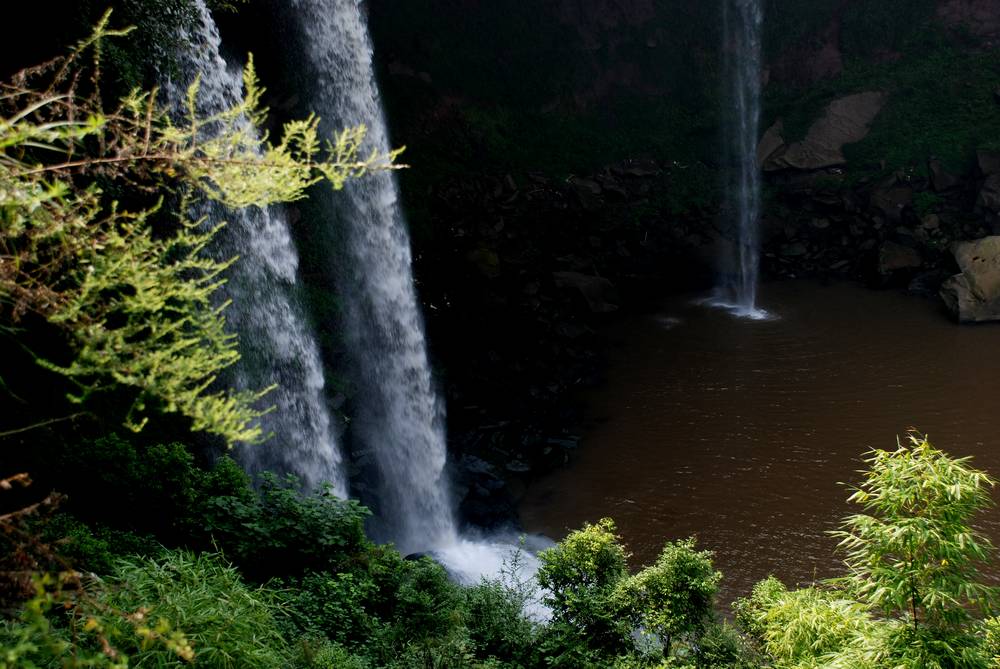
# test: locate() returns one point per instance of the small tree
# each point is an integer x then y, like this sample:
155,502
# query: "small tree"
673,597
913,552
580,575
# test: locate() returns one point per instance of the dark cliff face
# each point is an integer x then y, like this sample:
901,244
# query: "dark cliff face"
522,121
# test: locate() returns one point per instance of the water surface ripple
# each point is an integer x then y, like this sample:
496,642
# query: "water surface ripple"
738,431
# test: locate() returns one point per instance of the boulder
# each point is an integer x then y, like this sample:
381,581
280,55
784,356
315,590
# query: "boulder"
600,294
974,295
893,257
941,180
989,194
771,142
988,161
844,121
587,191
891,200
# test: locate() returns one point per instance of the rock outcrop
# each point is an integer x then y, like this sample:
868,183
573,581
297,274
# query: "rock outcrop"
893,257
979,17
600,294
845,121
974,295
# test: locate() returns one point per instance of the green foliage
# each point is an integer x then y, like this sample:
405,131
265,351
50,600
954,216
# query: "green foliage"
674,597
95,547
991,639
579,577
228,624
721,646
912,556
926,202
226,5
804,626
496,623
158,489
85,634
137,308
283,532
750,611
333,606
913,552
428,604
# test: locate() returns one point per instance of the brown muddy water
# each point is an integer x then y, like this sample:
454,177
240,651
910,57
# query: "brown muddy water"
738,431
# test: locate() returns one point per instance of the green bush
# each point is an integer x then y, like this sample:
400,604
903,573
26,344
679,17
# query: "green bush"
428,603
913,551
496,624
721,646
283,532
333,606
95,547
809,624
579,576
672,598
157,489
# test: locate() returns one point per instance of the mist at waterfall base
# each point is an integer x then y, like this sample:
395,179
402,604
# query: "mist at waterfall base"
277,346
396,432
742,30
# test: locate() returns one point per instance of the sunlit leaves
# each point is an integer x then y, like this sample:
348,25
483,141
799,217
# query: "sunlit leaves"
138,306
913,551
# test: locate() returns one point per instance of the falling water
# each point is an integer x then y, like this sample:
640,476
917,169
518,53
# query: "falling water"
399,417
276,343
742,23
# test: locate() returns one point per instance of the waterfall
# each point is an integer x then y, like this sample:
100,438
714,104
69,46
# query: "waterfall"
399,418
276,342
742,25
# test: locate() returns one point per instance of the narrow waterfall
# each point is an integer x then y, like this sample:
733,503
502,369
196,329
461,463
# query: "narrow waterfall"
742,25
276,342
398,418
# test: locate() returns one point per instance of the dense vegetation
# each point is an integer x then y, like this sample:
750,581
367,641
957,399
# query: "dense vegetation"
200,569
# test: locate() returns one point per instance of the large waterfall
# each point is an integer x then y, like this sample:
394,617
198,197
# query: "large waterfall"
398,416
276,342
742,24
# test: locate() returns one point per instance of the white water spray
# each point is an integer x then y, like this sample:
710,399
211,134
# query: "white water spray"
276,342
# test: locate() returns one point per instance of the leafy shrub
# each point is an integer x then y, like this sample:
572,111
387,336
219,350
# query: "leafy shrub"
323,654
750,611
579,576
96,547
332,606
283,532
673,597
494,618
156,489
428,603
564,646
808,624
913,551
721,646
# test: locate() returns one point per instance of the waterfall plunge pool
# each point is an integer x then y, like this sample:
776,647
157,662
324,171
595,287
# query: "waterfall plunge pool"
738,431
